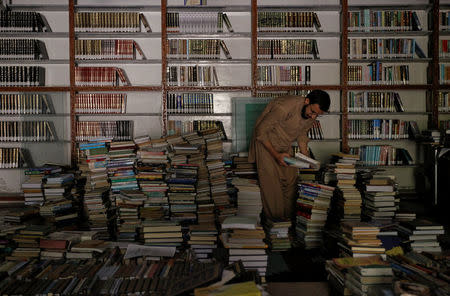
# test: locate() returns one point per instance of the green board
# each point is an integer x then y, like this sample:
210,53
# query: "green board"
245,113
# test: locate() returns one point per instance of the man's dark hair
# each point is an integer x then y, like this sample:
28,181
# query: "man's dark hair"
320,97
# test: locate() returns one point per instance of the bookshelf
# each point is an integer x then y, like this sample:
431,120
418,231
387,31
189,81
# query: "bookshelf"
149,89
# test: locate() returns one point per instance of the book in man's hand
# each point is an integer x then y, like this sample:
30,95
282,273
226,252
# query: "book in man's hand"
302,161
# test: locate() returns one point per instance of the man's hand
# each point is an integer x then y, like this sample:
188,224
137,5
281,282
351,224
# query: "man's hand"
280,158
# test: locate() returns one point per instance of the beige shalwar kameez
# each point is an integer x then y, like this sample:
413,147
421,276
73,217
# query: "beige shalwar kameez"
281,123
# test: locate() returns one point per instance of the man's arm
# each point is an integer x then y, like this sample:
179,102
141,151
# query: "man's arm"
279,157
303,148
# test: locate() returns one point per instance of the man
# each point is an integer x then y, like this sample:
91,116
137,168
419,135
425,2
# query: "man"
284,120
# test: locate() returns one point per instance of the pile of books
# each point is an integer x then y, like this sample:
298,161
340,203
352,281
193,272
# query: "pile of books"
312,209
277,234
162,233
182,192
97,210
379,201
244,238
349,201
27,241
203,240
93,158
363,280
360,239
248,196
421,235
32,187
128,203
121,166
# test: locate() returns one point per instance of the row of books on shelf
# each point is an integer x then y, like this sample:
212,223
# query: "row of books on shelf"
387,129
110,22
25,104
374,102
367,20
120,130
292,21
382,155
196,48
100,76
22,76
373,48
288,49
22,49
100,103
378,73
443,103
444,20
107,49
178,127
192,76
190,103
283,75
11,158
197,22
35,131
22,21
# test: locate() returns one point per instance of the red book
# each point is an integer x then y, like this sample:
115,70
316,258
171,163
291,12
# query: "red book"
53,244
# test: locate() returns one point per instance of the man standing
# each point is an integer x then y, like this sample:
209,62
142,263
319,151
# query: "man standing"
284,120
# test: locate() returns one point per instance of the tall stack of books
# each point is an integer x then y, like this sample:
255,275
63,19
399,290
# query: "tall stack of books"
60,212
151,167
244,238
92,162
364,280
162,233
203,240
360,239
421,234
57,186
241,166
121,166
312,208
277,234
97,208
182,179
248,196
128,204
32,188
349,201
379,201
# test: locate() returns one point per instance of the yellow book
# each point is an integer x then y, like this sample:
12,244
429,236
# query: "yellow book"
240,289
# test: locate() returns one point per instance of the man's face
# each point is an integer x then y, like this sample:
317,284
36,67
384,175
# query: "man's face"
312,111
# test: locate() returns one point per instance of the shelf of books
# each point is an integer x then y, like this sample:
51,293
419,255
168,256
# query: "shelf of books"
34,100
208,55
297,50
388,62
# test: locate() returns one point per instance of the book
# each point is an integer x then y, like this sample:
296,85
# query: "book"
302,161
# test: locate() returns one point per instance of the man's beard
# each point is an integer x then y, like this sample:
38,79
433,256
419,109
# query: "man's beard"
304,112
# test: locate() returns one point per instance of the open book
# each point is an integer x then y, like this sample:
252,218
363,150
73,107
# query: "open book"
302,161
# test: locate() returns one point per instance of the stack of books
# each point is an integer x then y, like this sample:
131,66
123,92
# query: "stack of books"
349,200
32,187
244,237
121,166
241,166
203,240
277,234
97,206
86,249
421,235
182,192
360,239
53,248
216,169
248,196
128,204
27,241
379,201
312,208
92,162
59,212
151,168
363,280
162,233
57,186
